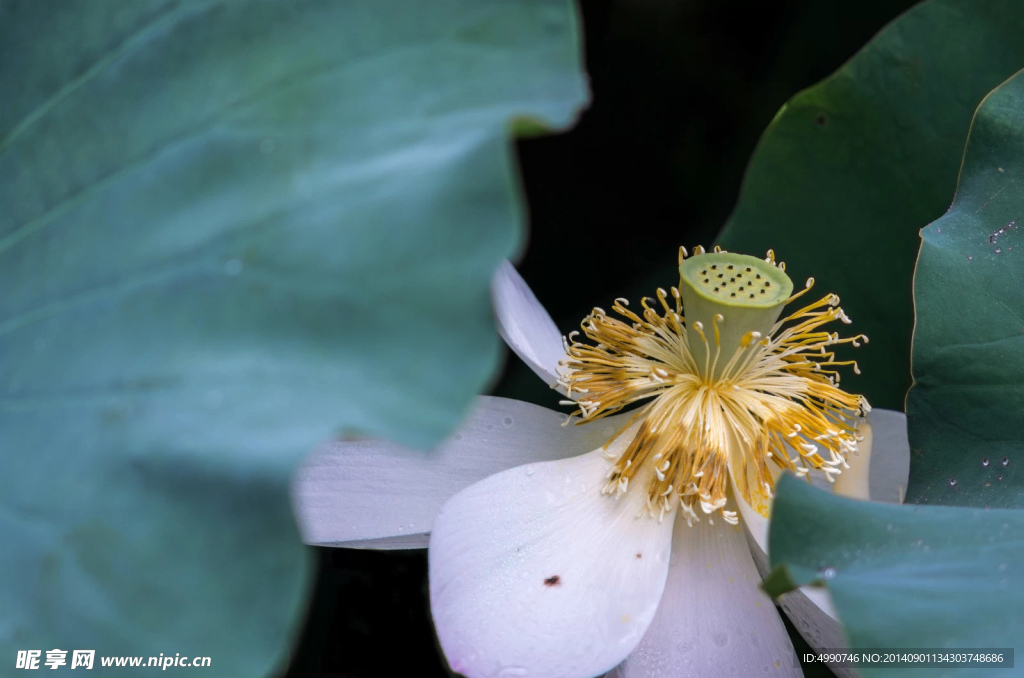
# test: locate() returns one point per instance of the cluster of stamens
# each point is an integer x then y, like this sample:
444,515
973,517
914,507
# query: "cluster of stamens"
775,402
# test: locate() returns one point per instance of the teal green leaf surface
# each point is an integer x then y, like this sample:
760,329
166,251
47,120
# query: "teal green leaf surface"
906,576
966,410
228,231
850,170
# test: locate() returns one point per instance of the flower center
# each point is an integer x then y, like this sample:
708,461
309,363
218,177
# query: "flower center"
732,391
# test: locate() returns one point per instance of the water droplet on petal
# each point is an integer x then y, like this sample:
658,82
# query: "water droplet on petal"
985,462
827,572
529,470
999,250
970,257
952,482
1005,461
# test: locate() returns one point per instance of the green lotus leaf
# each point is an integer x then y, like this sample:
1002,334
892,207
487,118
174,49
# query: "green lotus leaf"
906,576
229,231
966,410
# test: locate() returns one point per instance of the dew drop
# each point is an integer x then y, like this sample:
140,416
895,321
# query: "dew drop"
985,463
999,477
827,572
401,528
952,482
1005,461
999,250
529,470
970,257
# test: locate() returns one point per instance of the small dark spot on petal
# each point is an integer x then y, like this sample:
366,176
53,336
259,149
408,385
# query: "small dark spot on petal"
820,120
553,581
639,556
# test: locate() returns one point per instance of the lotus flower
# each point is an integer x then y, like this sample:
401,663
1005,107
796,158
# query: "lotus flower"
634,541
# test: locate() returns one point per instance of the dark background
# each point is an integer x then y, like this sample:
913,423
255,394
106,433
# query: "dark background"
681,91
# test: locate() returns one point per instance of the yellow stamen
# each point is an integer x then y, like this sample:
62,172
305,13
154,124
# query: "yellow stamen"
740,394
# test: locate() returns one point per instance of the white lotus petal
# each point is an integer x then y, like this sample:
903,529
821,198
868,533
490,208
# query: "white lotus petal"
534,572
755,521
890,456
349,491
524,324
713,620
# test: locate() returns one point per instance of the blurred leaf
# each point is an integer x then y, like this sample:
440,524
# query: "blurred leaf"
966,410
906,576
229,230
850,169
